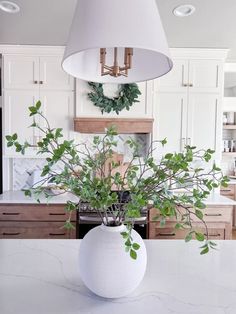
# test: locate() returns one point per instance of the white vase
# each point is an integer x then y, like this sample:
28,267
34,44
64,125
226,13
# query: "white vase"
105,267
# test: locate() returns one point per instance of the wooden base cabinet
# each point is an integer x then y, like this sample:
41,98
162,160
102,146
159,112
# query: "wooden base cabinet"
217,218
35,222
230,192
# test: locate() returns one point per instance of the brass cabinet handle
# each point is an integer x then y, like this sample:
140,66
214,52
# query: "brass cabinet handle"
213,215
166,234
11,214
40,82
57,214
35,82
57,234
11,233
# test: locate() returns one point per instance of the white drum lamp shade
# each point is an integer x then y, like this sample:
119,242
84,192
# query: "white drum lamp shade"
117,23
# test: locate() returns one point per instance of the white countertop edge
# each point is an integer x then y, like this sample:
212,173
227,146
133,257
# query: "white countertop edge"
18,197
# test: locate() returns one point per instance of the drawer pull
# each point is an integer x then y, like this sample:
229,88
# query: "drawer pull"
226,190
11,214
57,234
166,234
11,233
213,215
213,234
57,214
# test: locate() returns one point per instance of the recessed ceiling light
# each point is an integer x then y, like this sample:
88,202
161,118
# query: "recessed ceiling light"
184,10
9,7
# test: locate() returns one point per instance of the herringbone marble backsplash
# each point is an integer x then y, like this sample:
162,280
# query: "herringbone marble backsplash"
24,167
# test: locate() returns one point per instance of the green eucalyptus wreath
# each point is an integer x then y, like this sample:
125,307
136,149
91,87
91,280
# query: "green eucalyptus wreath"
128,95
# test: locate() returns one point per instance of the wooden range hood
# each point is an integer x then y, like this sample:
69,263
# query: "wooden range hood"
123,125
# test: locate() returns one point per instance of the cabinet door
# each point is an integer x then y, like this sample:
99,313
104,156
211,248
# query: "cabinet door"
205,76
52,76
58,107
176,79
85,108
21,72
171,121
17,120
203,113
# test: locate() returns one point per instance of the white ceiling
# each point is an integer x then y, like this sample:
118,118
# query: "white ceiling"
47,22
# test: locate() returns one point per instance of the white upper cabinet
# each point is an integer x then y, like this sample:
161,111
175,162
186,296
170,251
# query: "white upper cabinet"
205,75
195,75
172,121
176,79
52,76
20,72
17,120
59,110
202,121
33,72
189,101
141,109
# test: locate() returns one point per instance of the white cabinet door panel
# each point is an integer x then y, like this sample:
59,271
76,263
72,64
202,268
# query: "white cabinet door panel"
205,76
59,109
141,109
202,120
176,78
171,121
21,72
52,75
17,120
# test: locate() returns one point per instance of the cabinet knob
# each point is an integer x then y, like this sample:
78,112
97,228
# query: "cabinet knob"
41,82
185,85
35,82
190,85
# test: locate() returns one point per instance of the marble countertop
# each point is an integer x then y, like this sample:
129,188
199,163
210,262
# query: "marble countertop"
41,276
18,197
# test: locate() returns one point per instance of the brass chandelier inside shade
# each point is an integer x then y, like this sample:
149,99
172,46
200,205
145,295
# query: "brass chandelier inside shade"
116,70
102,48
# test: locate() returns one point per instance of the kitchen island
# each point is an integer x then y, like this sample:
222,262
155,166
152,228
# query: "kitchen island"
41,276
23,218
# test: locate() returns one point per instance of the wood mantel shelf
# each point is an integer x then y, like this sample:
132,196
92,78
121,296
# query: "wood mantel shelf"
123,125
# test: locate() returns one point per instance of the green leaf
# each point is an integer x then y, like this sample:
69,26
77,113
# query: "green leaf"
14,137
133,254
199,214
188,237
125,235
38,104
136,246
199,236
205,250
8,137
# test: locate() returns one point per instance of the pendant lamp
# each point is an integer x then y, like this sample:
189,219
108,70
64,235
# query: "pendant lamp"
116,41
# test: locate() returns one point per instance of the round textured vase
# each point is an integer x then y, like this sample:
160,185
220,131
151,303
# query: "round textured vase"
105,267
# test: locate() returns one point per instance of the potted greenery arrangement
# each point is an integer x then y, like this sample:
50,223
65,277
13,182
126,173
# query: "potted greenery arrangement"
113,256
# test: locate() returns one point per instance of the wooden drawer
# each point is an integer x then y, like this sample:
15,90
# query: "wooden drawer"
217,214
36,212
35,230
229,190
211,214
168,232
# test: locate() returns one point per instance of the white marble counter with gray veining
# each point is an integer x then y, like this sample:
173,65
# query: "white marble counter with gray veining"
41,276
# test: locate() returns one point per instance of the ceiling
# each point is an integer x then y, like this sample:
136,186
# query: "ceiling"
47,22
